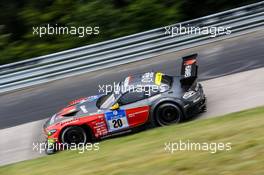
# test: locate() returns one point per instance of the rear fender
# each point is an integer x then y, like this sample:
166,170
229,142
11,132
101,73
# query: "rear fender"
175,101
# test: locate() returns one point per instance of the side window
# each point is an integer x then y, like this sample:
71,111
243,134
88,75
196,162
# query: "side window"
131,97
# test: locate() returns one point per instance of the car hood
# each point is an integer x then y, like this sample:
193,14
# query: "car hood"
87,105
78,108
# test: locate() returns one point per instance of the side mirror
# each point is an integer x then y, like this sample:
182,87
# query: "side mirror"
115,106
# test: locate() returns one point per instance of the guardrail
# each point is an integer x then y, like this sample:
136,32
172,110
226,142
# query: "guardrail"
126,49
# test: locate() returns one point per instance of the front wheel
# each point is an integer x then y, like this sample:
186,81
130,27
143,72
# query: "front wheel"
167,114
74,135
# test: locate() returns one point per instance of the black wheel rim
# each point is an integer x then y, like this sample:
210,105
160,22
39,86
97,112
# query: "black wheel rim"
74,136
168,114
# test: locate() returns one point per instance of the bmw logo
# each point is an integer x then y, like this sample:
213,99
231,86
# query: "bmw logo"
115,112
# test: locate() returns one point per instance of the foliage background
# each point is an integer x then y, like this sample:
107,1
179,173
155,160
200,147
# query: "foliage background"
115,18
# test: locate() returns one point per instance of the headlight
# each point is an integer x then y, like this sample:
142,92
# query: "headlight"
51,132
188,94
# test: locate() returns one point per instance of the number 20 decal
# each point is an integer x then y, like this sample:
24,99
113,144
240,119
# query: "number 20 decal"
117,123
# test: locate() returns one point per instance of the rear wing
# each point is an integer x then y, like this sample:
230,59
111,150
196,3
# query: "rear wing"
189,70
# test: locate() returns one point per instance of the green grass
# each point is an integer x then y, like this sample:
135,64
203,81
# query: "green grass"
143,153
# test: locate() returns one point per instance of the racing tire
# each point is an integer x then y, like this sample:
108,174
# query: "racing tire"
74,135
167,114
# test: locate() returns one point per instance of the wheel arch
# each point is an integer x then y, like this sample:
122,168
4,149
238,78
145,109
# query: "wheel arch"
156,104
87,129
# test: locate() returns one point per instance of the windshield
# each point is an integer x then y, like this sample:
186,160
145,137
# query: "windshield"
108,102
110,99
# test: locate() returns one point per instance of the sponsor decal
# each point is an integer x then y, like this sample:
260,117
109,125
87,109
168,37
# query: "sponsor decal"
71,120
158,78
188,71
147,77
116,120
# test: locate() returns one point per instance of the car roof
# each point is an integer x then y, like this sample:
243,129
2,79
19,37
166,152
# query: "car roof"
151,80
143,79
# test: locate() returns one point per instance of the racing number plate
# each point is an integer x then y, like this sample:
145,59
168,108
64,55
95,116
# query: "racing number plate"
116,120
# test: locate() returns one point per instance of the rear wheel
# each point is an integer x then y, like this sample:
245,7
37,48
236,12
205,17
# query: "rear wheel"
167,114
74,135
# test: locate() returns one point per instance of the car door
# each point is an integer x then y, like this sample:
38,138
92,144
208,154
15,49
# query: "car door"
133,111
136,107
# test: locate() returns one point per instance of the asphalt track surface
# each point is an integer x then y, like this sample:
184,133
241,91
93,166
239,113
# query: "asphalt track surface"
21,112
216,59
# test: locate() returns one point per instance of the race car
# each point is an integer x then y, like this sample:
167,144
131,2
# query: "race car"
141,100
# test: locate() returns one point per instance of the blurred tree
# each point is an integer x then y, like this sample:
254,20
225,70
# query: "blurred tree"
114,17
